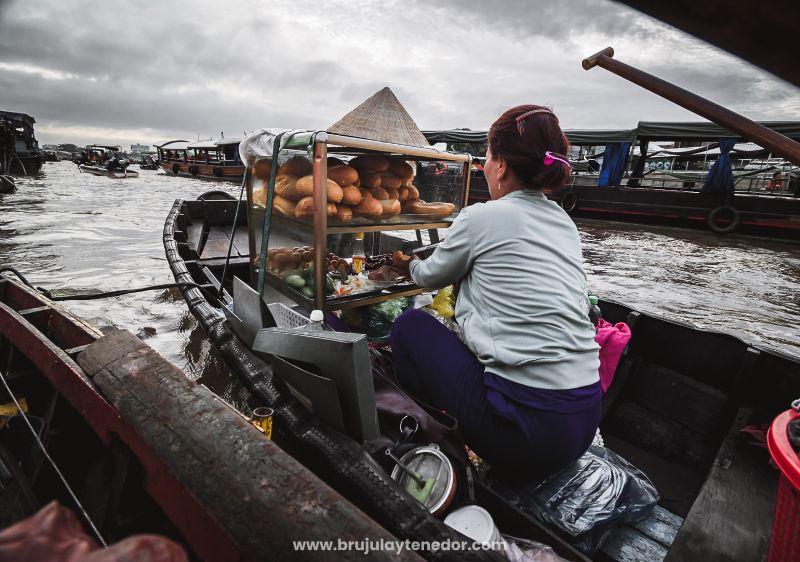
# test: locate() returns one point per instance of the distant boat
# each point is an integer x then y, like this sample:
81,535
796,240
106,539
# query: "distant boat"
94,161
207,159
19,149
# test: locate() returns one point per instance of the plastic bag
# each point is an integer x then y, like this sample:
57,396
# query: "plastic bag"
587,499
380,318
524,550
443,302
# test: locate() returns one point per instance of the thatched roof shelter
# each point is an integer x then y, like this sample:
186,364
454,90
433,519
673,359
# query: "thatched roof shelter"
383,118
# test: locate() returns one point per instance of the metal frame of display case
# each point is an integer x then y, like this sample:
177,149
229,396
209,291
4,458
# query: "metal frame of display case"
317,144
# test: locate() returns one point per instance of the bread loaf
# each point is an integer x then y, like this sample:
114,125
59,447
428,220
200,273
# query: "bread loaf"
344,213
351,195
391,207
370,162
413,193
343,175
305,186
286,187
401,169
393,194
402,193
432,210
379,193
305,208
369,207
262,169
333,162
390,181
370,178
295,166
283,206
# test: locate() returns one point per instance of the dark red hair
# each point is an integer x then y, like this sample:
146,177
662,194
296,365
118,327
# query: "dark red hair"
522,144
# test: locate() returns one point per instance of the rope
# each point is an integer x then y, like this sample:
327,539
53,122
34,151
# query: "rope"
233,232
48,457
103,294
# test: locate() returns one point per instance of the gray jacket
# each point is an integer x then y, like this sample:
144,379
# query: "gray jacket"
522,305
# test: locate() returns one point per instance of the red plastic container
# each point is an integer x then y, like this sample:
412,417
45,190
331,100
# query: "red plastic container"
784,545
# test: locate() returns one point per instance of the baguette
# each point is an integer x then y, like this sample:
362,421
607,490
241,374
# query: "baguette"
402,194
433,210
370,178
370,162
391,207
379,193
413,193
262,169
351,195
369,207
305,186
305,208
401,169
295,166
343,175
286,187
390,181
283,206
344,213
393,194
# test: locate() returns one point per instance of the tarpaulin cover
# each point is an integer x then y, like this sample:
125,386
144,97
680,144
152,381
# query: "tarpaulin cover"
258,144
575,137
705,130
613,164
720,176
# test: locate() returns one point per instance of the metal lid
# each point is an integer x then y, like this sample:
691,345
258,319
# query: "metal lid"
435,468
474,522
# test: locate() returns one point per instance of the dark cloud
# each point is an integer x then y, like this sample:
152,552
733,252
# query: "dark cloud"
154,70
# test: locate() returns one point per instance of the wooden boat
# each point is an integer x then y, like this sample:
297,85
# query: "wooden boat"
207,159
145,449
676,409
665,198
123,173
19,149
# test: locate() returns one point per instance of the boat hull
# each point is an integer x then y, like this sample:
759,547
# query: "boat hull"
26,165
204,171
115,174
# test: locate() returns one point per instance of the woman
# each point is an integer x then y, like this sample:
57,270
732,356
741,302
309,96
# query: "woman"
776,183
524,383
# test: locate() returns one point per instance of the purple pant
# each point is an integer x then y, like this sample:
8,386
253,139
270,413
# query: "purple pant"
433,364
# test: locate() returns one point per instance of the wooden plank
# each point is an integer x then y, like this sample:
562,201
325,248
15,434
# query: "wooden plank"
241,241
194,235
732,517
662,526
216,245
629,545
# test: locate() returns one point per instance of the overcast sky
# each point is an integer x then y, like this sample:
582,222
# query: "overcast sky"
128,72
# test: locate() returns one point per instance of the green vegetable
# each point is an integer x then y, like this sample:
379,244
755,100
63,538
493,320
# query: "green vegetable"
295,281
329,285
308,292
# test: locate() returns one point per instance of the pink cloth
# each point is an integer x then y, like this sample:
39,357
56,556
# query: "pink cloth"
612,339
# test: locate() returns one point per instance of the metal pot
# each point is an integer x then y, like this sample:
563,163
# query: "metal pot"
427,475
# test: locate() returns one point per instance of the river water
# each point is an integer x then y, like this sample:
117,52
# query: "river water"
72,232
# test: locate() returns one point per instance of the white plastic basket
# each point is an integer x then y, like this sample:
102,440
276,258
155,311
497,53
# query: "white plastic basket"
285,317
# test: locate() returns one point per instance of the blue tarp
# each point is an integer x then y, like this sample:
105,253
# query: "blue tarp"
613,164
720,177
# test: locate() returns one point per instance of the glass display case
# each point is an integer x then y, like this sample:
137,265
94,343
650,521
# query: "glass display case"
315,191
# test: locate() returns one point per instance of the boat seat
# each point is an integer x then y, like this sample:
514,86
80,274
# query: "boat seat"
731,518
648,540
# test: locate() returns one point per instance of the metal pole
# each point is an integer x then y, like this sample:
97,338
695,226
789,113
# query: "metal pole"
320,171
748,129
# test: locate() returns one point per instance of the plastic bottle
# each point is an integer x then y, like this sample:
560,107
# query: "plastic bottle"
594,311
359,256
316,318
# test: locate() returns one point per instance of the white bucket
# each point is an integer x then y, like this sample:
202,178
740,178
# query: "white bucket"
474,522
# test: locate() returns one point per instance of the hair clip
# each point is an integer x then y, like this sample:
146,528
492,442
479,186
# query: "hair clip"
521,119
549,158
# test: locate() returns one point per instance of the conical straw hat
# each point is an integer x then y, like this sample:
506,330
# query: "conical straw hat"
383,118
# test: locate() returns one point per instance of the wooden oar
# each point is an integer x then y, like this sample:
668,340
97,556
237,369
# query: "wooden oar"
750,130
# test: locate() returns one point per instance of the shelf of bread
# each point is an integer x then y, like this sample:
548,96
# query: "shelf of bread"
369,193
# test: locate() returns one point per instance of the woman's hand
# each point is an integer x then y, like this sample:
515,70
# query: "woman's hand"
401,262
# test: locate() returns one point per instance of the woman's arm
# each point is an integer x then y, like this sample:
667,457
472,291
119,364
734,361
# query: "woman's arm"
451,260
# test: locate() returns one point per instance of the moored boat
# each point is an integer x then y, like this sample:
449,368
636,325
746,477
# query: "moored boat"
143,448
207,159
670,196
679,399
19,149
